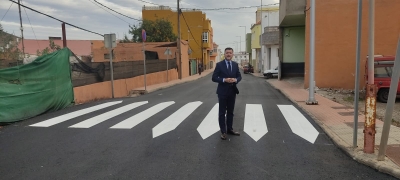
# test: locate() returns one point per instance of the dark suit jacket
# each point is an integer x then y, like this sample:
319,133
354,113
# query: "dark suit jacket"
221,72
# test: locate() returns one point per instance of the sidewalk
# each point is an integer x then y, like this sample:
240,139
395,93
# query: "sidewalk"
337,121
156,87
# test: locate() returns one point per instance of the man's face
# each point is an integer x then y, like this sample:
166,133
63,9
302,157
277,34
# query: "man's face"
228,54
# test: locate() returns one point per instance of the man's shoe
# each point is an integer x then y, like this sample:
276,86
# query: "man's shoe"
223,136
234,133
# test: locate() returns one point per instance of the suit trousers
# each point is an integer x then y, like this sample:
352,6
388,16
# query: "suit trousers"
226,107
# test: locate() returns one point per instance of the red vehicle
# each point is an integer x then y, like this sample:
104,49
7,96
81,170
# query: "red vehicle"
383,68
248,69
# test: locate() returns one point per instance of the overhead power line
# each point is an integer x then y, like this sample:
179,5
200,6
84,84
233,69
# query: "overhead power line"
109,12
6,12
56,18
117,12
230,8
150,3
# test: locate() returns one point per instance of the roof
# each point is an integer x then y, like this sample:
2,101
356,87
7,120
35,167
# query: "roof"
78,47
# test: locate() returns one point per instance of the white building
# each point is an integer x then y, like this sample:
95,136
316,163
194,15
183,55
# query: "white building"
269,58
241,57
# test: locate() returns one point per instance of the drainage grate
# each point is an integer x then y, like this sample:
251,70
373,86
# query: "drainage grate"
346,113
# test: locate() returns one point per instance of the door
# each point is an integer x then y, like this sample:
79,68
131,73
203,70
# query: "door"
269,59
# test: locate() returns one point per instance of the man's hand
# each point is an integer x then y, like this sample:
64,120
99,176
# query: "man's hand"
230,80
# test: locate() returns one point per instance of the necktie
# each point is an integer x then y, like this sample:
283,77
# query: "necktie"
229,66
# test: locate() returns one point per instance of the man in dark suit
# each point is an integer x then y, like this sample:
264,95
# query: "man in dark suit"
227,75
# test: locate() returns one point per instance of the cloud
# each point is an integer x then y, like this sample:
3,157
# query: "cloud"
88,15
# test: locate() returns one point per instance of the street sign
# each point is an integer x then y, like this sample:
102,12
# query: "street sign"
144,35
110,38
167,51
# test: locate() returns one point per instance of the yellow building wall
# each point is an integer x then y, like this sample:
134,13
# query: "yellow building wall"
197,23
255,34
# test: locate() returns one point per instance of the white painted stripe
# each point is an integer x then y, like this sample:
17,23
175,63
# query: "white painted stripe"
298,123
171,122
254,122
210,124
103,117
71,115
138,118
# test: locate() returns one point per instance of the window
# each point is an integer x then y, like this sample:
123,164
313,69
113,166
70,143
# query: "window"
383,71
205,37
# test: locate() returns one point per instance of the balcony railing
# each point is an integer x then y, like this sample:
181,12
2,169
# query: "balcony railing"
270,36
156,8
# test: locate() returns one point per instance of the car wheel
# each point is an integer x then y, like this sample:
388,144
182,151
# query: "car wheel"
383,95
268,76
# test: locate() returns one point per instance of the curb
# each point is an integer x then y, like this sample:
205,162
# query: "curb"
179,82
381,166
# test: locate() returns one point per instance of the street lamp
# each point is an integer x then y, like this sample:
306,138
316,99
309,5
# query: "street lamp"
240,40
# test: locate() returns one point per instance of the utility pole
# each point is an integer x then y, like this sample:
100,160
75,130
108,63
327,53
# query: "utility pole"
22,29
261,46
370,103
311,98
179,42
390,103
357,80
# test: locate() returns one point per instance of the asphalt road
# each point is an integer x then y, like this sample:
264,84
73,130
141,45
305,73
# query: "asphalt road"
124,140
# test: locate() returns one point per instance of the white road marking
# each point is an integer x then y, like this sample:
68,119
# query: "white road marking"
254,124
107,115
140,117
298,123
71,115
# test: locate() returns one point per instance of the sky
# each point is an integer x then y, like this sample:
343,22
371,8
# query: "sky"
91,16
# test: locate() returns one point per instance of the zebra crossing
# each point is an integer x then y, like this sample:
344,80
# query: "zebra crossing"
255,124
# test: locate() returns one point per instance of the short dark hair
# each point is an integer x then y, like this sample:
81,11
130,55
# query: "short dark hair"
228,48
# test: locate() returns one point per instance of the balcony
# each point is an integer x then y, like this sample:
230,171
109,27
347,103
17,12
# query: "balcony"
270,36
291,13
206,45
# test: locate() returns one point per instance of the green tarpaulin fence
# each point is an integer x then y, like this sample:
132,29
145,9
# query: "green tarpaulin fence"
43,85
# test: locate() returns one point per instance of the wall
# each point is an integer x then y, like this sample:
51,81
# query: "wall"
270,18
274,57
335,35
255,37
293,51
196,20
185,59
122,87
289,8
130,51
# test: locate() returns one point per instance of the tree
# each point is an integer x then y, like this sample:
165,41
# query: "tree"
8,46
156,31
47,50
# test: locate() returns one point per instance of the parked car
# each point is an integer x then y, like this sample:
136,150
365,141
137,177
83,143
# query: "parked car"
271,73
248,69
383,68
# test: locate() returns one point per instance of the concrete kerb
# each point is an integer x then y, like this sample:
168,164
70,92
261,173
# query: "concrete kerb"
136,92
381,166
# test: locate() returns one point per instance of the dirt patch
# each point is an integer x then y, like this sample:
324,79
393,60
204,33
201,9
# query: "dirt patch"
346,98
